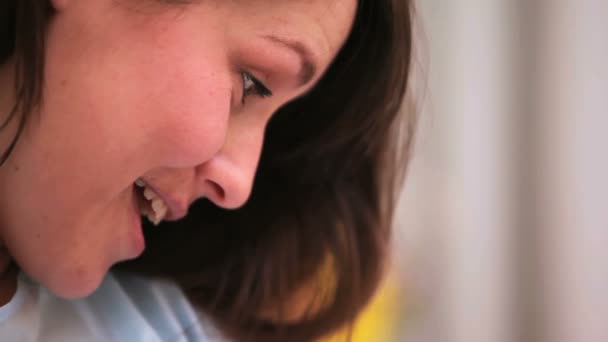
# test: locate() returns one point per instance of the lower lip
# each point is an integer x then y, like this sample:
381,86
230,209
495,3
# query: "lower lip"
136,236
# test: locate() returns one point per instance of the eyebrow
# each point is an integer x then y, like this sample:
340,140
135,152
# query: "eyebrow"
307,66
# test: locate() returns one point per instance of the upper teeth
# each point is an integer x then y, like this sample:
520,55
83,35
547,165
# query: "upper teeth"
159,207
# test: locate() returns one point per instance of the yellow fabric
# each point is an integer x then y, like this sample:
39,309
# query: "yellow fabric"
379,321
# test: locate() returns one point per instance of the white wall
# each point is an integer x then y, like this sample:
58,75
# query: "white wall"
504,220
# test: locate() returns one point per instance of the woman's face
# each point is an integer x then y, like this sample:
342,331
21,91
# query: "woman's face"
168,93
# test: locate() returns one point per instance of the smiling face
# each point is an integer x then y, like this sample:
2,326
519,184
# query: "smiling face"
177,95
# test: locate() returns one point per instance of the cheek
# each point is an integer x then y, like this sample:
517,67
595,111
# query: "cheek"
185,112
162,90
182,82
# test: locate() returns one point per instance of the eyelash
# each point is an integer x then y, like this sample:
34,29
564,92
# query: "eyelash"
257,88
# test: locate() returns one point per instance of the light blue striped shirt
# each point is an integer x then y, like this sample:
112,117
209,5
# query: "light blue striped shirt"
124,308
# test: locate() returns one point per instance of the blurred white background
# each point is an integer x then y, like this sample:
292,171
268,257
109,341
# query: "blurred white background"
503,224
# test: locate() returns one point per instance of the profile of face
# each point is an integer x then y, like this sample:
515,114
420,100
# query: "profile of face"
175,94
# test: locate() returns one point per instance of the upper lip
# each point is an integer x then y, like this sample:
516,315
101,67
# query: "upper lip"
175,211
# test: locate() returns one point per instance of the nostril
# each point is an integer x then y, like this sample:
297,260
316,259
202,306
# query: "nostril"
224,182
217,190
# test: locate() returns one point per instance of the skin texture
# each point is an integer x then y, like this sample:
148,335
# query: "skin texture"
146,89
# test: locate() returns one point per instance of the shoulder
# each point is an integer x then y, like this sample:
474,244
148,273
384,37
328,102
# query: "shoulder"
134,308
124,308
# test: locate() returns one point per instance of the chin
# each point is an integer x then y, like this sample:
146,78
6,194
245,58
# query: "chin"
74,284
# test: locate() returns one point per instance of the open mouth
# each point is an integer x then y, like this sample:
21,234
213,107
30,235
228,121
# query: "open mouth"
150,204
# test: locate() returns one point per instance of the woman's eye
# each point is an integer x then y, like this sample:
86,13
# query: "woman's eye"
251,86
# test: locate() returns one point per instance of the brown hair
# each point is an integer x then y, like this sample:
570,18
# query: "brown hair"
305,254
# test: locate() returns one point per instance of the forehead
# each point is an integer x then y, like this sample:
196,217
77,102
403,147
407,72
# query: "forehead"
322,24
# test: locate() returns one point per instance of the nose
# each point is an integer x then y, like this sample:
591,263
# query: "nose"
227,178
